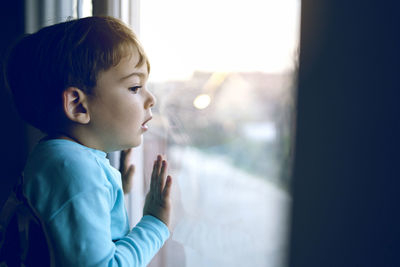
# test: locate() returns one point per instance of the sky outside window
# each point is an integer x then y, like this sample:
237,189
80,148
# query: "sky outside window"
182,36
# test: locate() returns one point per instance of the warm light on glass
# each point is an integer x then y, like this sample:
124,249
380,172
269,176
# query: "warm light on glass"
202,101
263,39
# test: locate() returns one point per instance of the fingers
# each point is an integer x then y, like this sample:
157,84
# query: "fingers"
130,172
162,176
158,202
155,174
128,179
167,188
159,176
125,159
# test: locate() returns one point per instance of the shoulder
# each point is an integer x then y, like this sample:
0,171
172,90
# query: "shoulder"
63,158
59,170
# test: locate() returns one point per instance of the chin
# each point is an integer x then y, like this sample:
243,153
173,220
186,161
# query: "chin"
124,146
127,143
135,143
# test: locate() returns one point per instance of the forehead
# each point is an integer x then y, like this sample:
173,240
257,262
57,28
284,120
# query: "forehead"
130,63
126,69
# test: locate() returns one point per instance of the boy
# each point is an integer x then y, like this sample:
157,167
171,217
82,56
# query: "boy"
83,83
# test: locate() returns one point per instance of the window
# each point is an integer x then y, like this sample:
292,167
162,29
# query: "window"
223,73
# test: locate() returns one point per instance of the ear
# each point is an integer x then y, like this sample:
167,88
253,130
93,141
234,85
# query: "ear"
75,105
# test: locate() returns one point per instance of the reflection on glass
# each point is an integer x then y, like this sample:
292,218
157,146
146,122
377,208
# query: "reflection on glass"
223,73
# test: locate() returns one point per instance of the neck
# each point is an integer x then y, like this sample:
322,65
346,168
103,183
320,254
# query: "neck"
61,135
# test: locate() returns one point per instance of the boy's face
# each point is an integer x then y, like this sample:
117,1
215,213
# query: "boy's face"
120,106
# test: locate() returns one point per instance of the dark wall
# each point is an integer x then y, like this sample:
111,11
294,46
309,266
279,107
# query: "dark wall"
346,189
12,138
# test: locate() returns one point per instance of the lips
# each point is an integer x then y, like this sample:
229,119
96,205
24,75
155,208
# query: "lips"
144,125
146,121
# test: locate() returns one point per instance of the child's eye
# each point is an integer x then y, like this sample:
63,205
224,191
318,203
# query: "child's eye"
134,89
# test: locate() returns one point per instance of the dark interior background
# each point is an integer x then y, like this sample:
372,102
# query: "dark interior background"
347,164
13,132
346,170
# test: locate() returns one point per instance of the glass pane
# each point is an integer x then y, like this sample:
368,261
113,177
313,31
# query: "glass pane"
223,72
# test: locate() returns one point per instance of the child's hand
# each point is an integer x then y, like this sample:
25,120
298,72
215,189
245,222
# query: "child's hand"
127,170
158,201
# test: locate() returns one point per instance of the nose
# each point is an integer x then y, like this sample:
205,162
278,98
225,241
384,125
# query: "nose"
150,100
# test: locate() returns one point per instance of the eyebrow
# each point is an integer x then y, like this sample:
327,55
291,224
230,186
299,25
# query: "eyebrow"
141,75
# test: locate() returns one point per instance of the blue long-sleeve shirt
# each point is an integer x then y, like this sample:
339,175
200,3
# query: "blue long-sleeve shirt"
79,197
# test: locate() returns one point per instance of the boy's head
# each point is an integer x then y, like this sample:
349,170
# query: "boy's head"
69,54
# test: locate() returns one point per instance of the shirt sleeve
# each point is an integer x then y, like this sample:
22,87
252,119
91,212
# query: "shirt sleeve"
81,237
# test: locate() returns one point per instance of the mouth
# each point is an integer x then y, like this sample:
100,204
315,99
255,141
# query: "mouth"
144,124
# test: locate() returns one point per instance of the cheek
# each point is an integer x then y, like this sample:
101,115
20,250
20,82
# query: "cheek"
120,112
131,113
